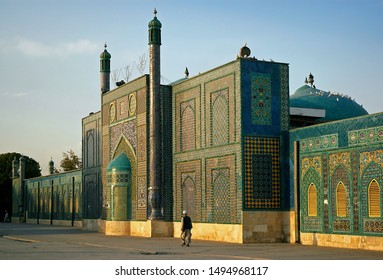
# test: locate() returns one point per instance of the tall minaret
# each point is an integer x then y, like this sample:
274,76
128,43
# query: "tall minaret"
51,167
155,155
105,71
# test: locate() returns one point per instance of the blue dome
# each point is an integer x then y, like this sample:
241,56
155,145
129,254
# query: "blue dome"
120,163
337,106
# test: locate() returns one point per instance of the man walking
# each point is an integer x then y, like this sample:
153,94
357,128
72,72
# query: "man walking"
6,217
186,226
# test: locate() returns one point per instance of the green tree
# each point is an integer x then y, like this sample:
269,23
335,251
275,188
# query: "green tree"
70,161
32,169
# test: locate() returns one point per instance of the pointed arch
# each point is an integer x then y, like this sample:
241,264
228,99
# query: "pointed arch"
374,205
124,146
219,119
312,200
90,148
188,129
188,196
221,195
341,200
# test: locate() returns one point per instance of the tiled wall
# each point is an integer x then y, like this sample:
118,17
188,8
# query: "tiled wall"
124,128
206,159
54,197
347,152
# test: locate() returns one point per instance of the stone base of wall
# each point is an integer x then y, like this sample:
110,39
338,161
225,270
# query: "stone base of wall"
17,220
64,223
91,224
266,226
215,232
160,228
147,228
343,241
117,228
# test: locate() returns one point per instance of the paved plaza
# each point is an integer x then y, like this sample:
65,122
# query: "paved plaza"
48,242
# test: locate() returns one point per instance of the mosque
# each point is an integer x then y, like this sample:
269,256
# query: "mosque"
248,161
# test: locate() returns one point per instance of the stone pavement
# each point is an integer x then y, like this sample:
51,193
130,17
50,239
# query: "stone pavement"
47,242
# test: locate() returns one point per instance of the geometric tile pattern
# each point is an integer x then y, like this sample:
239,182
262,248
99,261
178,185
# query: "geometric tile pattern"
319,143
261,99
267,150
127,130
354,169
186,191
343,159
340,178
142,198
366,158
167,155
187,129
311,176
221,194
342,226
365,136
373,226
311,162
355,190
219,122
374,171
285,98
357,161
262,171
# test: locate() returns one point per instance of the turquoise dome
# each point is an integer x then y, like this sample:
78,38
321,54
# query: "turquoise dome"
337,106
120,163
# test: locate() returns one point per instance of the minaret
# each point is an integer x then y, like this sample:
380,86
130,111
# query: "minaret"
22,191
51,167
155,155
105,71
15,168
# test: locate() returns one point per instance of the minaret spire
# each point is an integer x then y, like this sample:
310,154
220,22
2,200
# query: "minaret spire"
155,144
105,70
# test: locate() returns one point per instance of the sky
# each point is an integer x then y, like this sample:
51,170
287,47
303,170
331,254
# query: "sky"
49,54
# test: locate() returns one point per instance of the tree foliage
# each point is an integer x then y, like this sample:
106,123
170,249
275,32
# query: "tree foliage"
70,161
32,169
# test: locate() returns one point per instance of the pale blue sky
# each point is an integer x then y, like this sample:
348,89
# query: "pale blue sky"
49,54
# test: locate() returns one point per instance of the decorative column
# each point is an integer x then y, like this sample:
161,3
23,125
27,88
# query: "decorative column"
155,155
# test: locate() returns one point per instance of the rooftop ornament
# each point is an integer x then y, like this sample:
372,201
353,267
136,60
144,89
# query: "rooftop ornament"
310,80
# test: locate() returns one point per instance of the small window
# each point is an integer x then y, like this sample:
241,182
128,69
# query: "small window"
312,200
374,199
341,200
